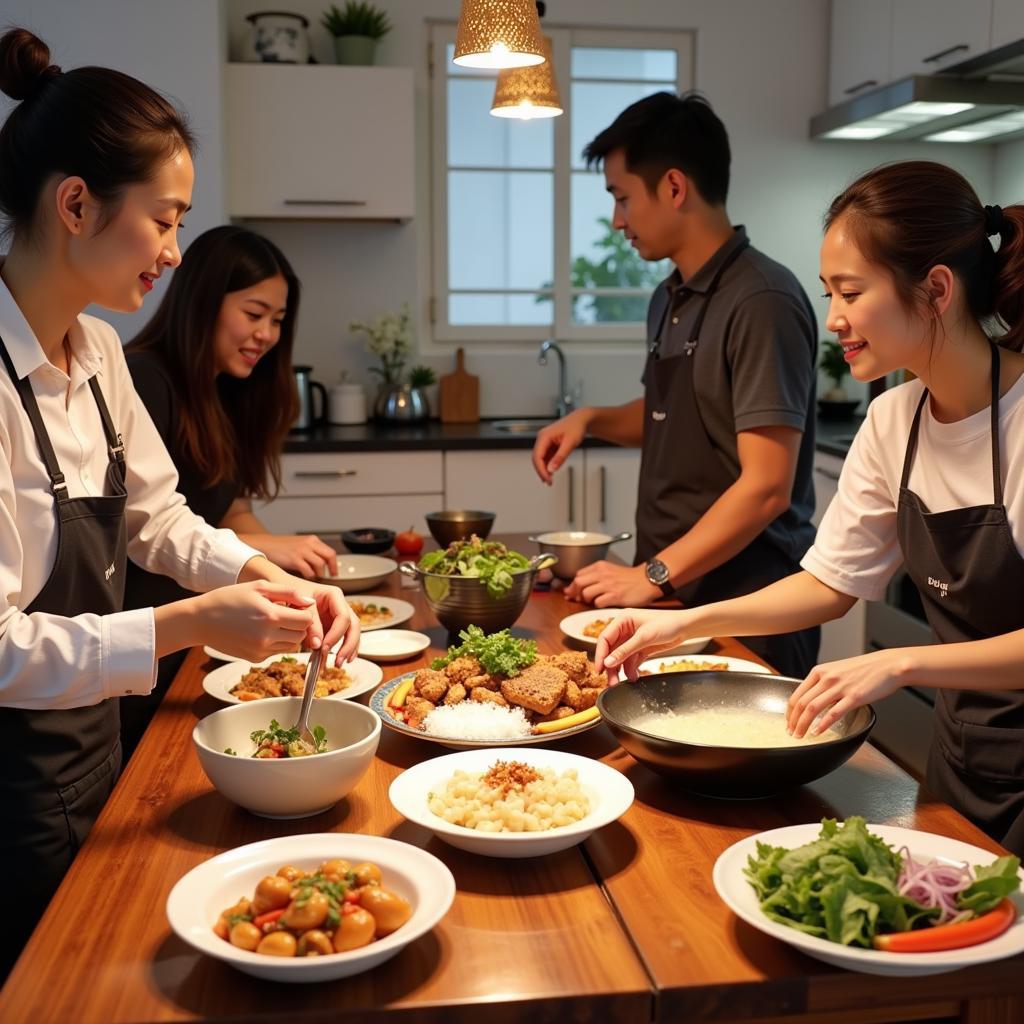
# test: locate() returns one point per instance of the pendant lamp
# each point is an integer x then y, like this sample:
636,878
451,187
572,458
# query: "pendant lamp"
528,93
498,34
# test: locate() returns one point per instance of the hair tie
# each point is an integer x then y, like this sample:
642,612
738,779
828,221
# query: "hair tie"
994,220
43,79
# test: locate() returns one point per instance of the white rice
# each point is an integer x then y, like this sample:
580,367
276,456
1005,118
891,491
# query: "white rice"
470,720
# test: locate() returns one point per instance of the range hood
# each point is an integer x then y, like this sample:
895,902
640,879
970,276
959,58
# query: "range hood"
949,107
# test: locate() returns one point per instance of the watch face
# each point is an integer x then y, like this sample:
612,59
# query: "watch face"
657,572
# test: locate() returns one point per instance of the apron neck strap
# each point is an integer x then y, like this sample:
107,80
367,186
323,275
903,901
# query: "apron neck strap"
115,443
712,288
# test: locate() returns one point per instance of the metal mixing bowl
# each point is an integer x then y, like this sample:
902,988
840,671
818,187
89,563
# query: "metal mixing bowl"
461,601
576,548
719,770
458,524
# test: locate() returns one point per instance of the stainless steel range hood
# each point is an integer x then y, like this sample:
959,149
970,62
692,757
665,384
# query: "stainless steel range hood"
934,108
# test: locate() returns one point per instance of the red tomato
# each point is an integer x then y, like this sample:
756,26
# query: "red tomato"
408,542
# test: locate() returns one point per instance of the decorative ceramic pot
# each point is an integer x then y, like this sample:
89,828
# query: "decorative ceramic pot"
355,49
399,403
278,37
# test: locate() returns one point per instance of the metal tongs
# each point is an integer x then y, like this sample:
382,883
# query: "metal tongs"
308,692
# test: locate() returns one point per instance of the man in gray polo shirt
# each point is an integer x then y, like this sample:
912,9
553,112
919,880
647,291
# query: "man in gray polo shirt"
726,423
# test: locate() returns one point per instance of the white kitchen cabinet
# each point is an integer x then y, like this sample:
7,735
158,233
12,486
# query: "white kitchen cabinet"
319,142
610,478
861,48
929,35
505,482
1007,22
845,637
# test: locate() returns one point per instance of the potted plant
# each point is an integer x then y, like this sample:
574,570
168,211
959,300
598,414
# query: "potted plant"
835,403
356,28
389,337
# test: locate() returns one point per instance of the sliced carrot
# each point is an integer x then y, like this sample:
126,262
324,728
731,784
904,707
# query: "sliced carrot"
398,697
951,936
568,722
268,917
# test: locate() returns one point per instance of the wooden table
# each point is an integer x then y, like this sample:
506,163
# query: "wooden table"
624,928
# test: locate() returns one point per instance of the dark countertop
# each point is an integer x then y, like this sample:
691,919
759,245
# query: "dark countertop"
833,437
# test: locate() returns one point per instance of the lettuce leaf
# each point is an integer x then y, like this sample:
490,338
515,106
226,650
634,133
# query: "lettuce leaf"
991,883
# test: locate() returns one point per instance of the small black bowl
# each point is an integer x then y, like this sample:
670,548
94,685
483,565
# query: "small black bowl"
369,541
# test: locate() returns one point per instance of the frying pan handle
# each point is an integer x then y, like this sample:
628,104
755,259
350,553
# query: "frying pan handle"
625,535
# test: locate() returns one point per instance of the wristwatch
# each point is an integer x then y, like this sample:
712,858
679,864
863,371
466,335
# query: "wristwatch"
657,573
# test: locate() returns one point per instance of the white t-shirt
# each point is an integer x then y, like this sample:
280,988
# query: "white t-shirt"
856,551
54,661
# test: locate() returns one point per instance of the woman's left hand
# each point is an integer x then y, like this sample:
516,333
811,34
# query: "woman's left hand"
832,689
337,620
303,555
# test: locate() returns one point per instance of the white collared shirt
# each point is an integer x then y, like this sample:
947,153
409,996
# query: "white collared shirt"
54,661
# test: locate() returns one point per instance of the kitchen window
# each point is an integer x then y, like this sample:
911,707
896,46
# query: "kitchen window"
523,246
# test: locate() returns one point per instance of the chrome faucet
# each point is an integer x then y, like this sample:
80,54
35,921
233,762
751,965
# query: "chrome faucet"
564,403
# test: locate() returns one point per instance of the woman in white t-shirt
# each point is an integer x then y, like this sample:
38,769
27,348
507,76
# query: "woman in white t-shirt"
935,479
95,177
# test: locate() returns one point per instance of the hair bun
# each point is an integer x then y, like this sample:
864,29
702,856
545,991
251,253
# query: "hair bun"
24,63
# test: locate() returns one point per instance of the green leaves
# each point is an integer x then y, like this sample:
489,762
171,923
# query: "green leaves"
356,19
990,885
488,560
499,654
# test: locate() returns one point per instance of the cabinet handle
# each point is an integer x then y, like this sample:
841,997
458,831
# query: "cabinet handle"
604,494
325,202
828,474
945,53
860,85
321,473
572,494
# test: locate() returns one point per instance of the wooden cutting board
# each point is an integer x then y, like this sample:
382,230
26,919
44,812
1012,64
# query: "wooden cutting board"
460,394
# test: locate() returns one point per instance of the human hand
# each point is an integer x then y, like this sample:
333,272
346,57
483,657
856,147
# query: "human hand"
607,585
333,621
635,635
832,689
556,442
305,555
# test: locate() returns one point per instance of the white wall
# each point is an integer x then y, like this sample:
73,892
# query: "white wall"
1008,187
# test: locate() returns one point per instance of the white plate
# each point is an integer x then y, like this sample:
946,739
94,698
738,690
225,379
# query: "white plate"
739,895
212,652
609,792
401,611
198,898
392,644
653,665
573,625
218,682
357,573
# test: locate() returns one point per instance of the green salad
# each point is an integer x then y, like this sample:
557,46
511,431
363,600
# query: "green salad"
275,741
501,654
490,561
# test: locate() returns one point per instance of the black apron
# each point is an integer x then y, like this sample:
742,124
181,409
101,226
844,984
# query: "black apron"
679,458
57,767
970,575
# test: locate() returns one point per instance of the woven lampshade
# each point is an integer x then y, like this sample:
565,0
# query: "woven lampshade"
498,34
530,92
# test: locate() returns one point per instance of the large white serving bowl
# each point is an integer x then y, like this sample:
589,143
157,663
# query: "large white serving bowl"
198,898
289,787
357,573
609,792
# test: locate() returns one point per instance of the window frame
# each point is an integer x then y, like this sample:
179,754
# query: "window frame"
563,38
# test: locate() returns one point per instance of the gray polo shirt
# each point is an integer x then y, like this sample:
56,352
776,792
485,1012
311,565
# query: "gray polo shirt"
754,366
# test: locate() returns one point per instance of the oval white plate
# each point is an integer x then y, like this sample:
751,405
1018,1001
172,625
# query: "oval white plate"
732,664
392,644
198,898
573,625
608,791
218,682
401,611
357,573
741,899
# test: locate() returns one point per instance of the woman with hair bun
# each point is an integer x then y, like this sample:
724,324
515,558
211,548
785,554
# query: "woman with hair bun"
95,177
934,479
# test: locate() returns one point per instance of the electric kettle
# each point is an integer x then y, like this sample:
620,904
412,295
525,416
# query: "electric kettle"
307,389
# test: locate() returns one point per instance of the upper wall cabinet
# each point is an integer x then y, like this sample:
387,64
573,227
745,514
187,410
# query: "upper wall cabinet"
861,48
1007,22
320,142
929,35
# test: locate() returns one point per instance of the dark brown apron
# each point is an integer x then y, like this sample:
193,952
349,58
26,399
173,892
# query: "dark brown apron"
680,459
970,575
58,767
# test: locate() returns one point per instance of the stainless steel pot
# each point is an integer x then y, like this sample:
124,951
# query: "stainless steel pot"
307,388
577,548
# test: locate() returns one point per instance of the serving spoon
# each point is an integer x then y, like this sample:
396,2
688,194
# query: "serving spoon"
308,692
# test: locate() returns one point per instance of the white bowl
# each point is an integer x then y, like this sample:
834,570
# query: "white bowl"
287,787
392,644
198,898
357,573
609,792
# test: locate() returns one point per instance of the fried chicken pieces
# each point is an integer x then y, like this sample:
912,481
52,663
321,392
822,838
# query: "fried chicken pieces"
553,687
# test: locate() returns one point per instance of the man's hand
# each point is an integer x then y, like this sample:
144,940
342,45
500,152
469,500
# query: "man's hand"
557,441
607,585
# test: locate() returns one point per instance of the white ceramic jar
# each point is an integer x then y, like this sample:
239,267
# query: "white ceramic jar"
278,37
346,404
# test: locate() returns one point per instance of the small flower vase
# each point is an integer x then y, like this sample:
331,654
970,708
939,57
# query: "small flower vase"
400,403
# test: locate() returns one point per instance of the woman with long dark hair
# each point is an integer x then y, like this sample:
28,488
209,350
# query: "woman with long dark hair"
95,177
934,479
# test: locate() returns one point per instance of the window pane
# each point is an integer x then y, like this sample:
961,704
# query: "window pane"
476,139
498,309
637,65
603,258
500,229
596,104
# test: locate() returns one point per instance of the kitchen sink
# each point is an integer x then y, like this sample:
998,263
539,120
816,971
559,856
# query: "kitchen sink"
520,426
